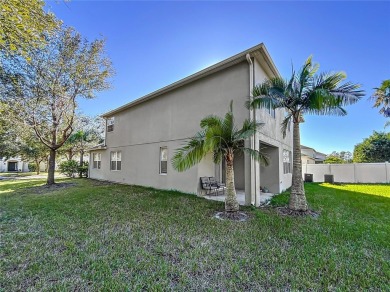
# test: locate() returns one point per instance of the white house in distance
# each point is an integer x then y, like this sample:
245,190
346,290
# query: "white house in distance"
311,156
13,164
142,136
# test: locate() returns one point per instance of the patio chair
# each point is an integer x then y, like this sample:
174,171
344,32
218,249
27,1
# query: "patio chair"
215,183
205,184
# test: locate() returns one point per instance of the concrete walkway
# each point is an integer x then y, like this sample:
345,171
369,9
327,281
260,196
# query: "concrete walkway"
34,176
264,197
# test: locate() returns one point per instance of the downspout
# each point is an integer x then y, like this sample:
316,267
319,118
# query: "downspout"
252,116
105,131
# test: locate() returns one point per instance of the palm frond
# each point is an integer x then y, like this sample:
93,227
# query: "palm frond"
190,154
248,130
257,155
329,111
285,124
349,93
267,102
210,121
328,94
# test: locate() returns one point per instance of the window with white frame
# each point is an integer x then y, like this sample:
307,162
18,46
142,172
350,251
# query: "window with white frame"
110,124
116,160
163,160
97,160
286,161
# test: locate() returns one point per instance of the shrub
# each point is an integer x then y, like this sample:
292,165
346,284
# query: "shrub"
69,168
32,167
83,170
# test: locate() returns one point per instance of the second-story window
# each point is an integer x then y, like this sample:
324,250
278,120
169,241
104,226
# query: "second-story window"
110,124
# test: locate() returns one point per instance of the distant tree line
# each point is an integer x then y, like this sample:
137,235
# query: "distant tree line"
375,148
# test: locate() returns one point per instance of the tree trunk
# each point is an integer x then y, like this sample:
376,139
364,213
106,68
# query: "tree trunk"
51,169
37,166
70,154
46,164
297,197
81,163
231,204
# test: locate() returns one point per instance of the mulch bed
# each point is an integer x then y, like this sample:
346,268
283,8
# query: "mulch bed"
284,211
233,216
96,182
49,188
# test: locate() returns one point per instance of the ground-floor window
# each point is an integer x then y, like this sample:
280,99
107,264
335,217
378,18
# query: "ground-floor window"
163,160
97,160
116,160
286,161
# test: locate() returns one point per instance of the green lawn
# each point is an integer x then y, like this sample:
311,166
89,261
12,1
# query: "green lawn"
17,174
94,236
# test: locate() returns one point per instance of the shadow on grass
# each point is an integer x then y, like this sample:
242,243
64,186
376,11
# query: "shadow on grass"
362,192
345,201
98,237
14,187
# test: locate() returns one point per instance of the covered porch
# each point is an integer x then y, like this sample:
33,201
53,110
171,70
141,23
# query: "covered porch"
264,197
255,184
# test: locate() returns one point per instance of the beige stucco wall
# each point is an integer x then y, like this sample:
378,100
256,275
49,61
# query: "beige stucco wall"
169,119
271,134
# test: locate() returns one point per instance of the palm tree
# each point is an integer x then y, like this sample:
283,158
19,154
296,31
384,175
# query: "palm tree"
305,93
221,137
382,99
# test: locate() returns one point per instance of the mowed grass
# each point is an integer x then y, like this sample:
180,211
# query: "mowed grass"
94,236
17,174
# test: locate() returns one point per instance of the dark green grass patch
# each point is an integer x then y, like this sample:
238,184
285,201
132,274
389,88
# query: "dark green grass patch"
97,236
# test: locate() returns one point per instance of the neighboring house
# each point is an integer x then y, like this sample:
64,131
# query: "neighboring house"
142,136
13,164
311,156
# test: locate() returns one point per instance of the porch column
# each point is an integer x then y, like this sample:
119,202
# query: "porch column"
256,175
248,175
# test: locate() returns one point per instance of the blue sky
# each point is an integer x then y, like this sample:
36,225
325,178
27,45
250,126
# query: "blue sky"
153,44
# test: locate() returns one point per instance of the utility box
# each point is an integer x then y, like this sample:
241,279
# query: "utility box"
328,178
308,177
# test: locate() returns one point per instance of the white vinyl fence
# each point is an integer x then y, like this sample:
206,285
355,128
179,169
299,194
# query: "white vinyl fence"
350,173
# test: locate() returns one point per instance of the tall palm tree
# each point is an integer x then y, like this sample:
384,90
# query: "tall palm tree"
305,93
221,137
382,99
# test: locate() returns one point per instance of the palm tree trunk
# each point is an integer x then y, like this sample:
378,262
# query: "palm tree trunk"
51,169
231,204
297,197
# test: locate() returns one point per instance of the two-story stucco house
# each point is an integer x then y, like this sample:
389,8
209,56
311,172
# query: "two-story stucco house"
311,156
142,136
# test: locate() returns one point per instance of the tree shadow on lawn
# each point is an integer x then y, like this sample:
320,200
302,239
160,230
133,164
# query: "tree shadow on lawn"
371,200
32,187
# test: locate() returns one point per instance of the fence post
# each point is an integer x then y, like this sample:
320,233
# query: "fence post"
354,173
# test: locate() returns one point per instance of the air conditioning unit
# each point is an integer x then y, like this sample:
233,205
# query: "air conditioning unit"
308,177
328,178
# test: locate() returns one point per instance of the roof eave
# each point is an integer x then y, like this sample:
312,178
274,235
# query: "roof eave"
203,73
